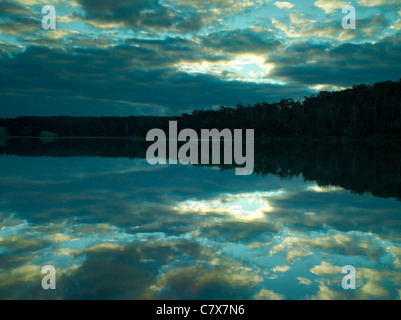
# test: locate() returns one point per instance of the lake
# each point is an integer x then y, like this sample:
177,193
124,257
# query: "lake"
115,227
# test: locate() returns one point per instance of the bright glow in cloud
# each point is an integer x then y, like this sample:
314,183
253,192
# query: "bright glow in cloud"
252,206
251,68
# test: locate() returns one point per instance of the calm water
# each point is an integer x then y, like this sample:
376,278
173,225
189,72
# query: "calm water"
115,227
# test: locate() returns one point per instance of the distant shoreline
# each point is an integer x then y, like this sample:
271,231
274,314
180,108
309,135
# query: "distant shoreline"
260,140
363,113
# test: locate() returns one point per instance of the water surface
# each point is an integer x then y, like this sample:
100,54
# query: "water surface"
115,227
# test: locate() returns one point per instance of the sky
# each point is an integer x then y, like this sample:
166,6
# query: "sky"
168,57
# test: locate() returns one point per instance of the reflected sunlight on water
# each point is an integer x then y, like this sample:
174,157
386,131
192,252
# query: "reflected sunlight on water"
116,229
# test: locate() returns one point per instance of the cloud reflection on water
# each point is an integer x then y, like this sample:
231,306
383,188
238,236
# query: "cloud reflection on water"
116,230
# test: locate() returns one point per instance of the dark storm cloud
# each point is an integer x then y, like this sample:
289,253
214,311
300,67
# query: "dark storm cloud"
343,65
8,48
239,231
309,210
242,41
16,19
116,274
167,53
105,72
116,81
11,8
140,14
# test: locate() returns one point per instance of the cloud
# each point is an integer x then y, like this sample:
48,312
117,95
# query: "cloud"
300,247
154,16
113,222
21,243
326,269
375,3
37,2
137,14
330,5
11,8
59,237
397,25
370,283
327,293
302,26
241,41
266,294
207,59
110,59
25,273
115,273
124,84
203,282
281,268
304,281
339,65
374,289
19,25
284,4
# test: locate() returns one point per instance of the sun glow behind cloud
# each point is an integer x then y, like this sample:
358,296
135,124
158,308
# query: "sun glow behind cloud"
247,67
268,49
241,207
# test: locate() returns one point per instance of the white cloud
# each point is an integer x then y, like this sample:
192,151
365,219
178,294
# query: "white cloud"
330,5
281,269
325,269
265,294
373,289
304,281
298,18
397,25
284,5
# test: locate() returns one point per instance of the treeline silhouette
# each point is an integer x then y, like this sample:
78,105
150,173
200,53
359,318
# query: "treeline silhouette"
359,167
363,112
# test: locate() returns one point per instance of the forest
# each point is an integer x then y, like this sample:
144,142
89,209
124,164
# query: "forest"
360,167
363,112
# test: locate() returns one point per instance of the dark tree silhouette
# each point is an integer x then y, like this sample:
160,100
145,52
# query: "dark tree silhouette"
363,112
